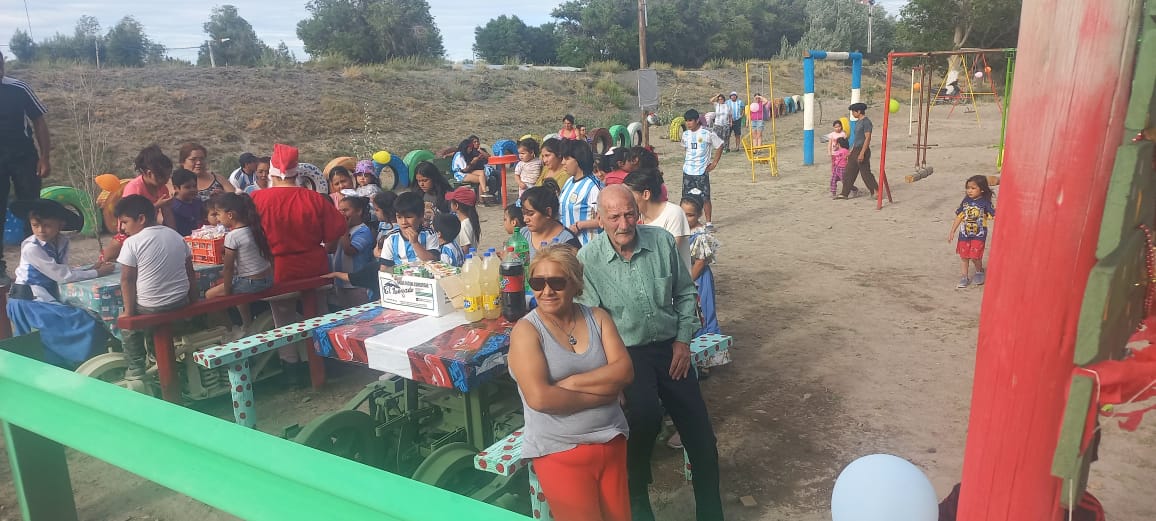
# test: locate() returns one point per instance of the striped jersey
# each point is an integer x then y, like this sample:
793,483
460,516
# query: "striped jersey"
580,203
396,250
452,254
698,144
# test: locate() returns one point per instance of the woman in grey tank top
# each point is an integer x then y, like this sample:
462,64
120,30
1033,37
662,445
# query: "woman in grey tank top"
571,366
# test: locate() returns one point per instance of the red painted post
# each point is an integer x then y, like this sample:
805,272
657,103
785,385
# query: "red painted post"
166,363
316,363
1065,125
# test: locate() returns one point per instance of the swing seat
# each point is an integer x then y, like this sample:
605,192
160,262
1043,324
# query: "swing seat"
753,151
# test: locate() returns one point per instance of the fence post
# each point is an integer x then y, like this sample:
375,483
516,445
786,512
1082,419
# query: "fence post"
40,476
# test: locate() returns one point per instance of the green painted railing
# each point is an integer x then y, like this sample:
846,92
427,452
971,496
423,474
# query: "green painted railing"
247,473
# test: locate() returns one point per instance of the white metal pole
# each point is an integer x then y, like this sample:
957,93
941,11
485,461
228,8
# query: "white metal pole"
911,103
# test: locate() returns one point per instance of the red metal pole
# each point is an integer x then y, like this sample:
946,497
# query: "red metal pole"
883,144
1069,101
166,363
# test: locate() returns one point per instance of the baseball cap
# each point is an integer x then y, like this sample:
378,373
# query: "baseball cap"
734,93
463,195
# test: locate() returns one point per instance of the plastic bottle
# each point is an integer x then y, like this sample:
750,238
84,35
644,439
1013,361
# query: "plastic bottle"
520,245
513,284
471,278
491,295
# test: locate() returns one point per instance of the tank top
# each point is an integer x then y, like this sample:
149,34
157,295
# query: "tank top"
546,434
207,193
756,111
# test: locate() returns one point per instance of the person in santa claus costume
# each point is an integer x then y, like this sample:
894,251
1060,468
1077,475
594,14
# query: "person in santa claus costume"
299,223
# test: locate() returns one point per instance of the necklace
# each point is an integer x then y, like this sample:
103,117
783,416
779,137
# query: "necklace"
569,334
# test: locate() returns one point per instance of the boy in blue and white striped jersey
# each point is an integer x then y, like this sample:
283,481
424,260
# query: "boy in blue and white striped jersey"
412,242
448,227
699,161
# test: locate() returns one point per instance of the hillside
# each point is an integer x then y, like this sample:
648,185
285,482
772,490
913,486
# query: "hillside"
356,110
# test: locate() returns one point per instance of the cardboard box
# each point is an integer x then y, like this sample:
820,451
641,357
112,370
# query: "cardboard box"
420,295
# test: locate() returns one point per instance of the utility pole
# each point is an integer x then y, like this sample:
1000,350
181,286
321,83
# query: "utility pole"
96,45
642,65
212,60
870,25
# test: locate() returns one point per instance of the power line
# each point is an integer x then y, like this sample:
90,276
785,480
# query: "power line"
28,18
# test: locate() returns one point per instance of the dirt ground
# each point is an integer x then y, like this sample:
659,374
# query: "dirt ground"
850,339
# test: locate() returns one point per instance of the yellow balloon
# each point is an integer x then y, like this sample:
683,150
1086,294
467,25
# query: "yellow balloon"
382,157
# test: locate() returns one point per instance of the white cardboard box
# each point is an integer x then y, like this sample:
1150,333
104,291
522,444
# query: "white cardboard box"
413,294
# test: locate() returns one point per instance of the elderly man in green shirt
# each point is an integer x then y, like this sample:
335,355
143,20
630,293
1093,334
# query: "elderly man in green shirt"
635,273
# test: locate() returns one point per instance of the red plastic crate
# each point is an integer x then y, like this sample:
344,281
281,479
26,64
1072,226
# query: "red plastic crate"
207,251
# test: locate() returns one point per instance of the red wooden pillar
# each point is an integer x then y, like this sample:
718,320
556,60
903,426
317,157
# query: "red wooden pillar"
166,363
1072,79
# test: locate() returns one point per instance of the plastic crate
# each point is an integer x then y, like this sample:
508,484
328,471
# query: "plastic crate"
207,251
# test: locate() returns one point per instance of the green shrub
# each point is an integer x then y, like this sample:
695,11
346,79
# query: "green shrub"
329,62
719,63
606,66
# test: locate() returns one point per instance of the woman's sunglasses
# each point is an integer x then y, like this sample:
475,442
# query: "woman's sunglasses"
540,283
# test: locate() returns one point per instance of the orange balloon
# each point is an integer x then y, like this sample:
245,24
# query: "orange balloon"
987,70
916,86
108,182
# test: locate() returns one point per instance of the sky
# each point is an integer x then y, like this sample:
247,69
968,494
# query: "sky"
178,25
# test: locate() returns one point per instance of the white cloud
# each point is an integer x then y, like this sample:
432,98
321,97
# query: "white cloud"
179,24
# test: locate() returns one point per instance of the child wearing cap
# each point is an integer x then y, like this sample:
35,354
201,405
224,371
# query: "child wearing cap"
70,335
462,202
366,181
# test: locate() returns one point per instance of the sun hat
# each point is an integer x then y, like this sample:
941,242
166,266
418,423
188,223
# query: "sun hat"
283,163
463,195
49,209
734,93
365,166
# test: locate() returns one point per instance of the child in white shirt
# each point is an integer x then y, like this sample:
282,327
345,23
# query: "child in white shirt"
156,273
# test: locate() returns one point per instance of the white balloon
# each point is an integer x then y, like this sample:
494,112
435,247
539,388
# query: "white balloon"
978,74
882,487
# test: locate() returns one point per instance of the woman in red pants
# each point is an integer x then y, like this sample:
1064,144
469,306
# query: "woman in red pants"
571,366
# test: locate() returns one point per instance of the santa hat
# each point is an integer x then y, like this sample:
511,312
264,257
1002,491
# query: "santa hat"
283,164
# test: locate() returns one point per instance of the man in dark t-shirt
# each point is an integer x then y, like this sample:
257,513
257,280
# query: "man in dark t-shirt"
23,161
859,162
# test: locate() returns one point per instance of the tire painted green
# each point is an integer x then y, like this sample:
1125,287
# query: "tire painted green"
79,202
414,157
347,434
620,136
676,128
635,132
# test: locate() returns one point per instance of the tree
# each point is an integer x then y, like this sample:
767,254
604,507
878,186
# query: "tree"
23,47
233,39
128,46
368,31
935,25
542,44
88,30
837,25
501,39
598,30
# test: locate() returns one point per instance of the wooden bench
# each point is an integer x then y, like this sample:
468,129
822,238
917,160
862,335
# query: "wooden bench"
236,355
162,325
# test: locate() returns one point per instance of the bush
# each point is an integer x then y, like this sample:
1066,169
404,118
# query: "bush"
330,62
719,63
606,66
661,66
612,92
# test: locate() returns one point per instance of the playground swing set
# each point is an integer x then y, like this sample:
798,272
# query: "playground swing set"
963,65
767,151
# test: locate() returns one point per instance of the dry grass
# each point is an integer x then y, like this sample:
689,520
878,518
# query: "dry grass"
343,108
